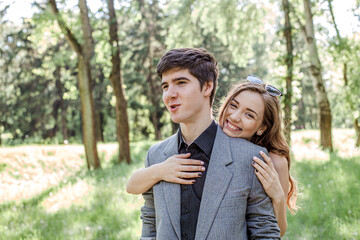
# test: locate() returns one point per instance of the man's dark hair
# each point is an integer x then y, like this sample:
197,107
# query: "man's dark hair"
200,63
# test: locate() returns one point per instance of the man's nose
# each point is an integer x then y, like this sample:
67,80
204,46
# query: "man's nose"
171,92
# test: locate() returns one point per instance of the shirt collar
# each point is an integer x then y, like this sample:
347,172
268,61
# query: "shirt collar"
205,141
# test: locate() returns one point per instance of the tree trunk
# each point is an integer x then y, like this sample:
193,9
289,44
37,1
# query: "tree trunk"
174,127
122,123
154,96
154,91
60,92
315,69
87,113
289,71
64,125
84,53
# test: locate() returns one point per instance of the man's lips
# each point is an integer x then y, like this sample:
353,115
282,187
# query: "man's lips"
231,126
173,107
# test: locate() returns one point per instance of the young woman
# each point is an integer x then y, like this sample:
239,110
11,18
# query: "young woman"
251,111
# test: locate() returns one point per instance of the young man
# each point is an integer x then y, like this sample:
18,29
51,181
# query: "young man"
228,201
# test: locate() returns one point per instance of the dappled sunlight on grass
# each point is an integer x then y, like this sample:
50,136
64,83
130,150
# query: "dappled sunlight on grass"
32,169
305,144
67,196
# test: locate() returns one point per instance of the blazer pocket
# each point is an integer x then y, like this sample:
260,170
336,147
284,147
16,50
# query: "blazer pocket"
232,207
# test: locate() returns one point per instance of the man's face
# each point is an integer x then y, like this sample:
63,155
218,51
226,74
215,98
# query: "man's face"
183,97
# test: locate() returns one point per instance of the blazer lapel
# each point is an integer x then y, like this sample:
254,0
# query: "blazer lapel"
217,181
171,190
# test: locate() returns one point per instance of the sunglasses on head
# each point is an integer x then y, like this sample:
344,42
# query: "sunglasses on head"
273,91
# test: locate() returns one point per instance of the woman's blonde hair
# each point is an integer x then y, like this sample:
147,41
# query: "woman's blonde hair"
272,138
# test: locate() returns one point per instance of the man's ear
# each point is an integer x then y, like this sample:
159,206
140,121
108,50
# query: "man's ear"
207,88
261,130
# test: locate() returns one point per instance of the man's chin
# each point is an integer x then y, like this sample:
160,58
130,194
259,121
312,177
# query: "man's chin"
175,120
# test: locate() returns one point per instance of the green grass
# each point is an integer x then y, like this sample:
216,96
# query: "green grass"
107,212
2,166
329,201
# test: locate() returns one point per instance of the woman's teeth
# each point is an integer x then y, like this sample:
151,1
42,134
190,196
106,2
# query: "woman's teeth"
232,126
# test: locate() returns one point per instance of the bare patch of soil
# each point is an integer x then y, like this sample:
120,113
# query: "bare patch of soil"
29,170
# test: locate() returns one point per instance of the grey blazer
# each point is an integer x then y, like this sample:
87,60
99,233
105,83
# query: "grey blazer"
234,204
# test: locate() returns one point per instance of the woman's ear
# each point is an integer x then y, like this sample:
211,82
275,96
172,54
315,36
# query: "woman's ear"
261,130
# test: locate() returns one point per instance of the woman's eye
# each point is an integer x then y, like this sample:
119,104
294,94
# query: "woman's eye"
232,105
249,115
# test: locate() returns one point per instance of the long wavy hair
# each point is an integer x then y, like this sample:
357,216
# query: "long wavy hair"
272,138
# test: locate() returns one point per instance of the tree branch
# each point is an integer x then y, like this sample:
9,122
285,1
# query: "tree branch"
64,28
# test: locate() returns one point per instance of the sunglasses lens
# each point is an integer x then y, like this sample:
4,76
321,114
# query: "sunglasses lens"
254,79
273,90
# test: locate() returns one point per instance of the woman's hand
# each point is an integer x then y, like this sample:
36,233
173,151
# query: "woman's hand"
268,177
180,169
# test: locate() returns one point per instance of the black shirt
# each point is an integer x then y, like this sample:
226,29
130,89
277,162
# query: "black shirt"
191,195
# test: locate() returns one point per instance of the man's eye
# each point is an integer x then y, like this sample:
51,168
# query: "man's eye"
181,82
164,87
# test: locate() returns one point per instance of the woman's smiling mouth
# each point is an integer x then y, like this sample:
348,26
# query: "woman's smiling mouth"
232,127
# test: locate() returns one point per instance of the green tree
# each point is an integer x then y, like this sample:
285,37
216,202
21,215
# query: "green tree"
325,117
289,70
116,80
84,53
346,54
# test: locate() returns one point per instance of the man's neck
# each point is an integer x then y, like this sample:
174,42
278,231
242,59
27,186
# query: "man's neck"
191,131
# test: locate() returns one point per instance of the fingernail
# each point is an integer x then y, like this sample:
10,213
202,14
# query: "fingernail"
202,163
203,168
200,174
261,152
194,181
254,158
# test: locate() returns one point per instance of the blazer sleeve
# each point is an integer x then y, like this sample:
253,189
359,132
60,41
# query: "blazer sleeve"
148,212
260,217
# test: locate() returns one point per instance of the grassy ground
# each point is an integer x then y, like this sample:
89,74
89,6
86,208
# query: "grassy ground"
67,202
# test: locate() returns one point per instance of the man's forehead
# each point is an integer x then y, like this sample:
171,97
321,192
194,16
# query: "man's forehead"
178,73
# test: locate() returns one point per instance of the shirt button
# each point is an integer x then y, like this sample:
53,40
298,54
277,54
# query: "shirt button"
185,187
186,211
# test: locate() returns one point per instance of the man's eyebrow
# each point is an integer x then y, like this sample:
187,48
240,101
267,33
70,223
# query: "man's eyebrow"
175,79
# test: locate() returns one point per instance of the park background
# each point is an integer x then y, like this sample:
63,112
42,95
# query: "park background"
80,104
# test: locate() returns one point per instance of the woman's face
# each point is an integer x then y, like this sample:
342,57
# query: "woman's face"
244,116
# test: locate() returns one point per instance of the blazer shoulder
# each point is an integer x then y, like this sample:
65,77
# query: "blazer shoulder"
240,144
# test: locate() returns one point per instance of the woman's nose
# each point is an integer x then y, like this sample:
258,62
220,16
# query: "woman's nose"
236,116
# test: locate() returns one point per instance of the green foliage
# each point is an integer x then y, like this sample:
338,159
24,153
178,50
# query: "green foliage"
39,96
